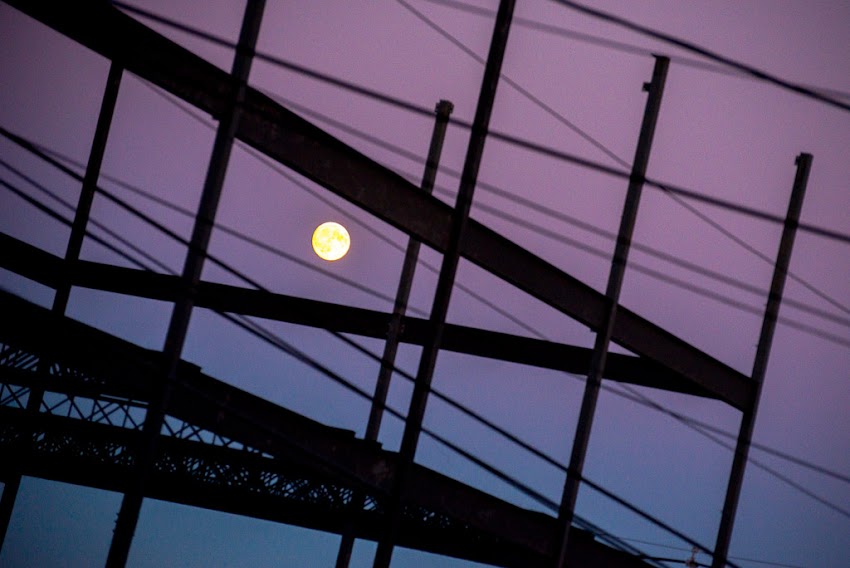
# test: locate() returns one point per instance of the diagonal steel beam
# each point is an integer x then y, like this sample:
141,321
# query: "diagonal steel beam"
305,148
104,366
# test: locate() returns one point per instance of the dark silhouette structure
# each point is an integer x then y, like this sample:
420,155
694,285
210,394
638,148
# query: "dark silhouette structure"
80,406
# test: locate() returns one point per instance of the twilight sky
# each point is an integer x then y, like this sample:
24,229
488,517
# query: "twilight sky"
720,134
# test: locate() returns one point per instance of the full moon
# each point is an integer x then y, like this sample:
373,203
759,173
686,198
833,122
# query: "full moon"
331,241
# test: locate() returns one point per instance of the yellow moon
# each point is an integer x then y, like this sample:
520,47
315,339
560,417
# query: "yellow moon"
331,241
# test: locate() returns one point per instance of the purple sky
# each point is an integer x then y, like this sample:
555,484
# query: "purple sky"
722,135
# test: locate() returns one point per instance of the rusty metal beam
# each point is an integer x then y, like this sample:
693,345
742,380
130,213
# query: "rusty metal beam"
296,143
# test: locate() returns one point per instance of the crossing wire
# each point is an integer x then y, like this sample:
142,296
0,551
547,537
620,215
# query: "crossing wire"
817,332
618,45
636,396
633,395
492,426
531,146
262,333
607,151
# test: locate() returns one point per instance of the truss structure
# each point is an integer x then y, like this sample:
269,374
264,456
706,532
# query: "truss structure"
76,403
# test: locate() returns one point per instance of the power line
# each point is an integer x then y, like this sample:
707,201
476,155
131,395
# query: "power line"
694,48
517,221
249,325
504,137
634,396
597,252
605,150
492,426
618,45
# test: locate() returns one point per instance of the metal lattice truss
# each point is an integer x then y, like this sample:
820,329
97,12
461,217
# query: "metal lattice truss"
222,448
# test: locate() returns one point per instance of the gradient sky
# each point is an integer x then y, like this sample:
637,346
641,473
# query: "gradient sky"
722,135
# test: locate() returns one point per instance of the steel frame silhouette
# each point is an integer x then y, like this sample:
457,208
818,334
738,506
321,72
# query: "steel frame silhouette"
227,450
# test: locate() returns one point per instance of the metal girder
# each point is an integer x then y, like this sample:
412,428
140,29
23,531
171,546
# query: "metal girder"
441,515
45,268
305,148
251,484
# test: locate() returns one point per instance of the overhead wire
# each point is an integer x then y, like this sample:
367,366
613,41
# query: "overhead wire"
430,113
704,52
605,150
620,46
531,146
601,147
301,356
634,397
177,237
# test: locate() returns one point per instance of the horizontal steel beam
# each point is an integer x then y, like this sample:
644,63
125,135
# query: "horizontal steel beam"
312,152
46,268
103,366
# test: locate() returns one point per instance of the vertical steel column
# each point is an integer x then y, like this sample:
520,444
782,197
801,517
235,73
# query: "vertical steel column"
774,299
615,282
408,268
443,111
448,270
72,254
128,515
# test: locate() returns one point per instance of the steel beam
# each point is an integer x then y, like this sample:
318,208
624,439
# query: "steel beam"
40,266
72,254
131,504
612,296
295,143
103,366
771,313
